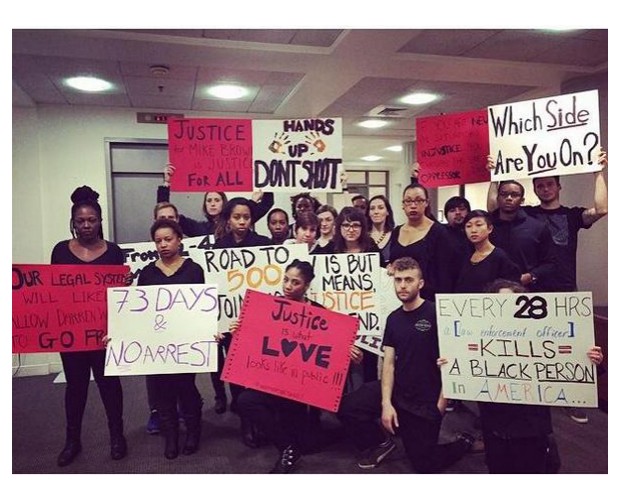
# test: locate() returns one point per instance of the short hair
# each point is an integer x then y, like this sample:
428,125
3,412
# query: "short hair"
502,183
162,205
478,213
455,202
307,219
498,284
406,263
327,208
359,197
313,201
166,223
275,211
232,203
556,177
305,269
416,185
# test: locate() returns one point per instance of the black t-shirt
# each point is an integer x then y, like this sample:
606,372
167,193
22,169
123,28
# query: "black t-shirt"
112,256
564,223
474,277
417,379
188,273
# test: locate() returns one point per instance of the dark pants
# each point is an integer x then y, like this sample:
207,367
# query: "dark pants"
77,367
168,389
517,455
282,420
216,377
360,412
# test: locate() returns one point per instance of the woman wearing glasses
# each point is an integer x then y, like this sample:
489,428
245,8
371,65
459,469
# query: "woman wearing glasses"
426,241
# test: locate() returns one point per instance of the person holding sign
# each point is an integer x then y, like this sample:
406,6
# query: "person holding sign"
172,269
88,247
408,397
517,436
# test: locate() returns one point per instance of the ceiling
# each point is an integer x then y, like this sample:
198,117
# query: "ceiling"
304,73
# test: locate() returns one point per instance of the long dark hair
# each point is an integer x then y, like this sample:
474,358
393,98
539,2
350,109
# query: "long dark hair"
352,214
304,268
85,196
389,220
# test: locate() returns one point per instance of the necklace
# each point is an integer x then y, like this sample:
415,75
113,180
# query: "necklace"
381,238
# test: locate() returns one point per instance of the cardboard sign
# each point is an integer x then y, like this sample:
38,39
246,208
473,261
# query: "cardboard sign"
235,270
139,255
298,155
210,154
162,329
58,308
523,349
291,349
557,135
452,149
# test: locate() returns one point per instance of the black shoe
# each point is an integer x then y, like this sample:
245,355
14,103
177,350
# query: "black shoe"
71,450
192,443
171,451
233,406
220,406
118,447
287,462
247,434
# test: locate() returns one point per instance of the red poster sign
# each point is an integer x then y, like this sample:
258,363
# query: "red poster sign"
291,349
59,308
452,149
210,154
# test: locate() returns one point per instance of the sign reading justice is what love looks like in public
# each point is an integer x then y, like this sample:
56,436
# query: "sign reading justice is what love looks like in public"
518,348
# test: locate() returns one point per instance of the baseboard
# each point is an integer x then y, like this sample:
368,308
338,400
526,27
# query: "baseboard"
33,370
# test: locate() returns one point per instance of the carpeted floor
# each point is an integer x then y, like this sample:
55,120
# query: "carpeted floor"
38,436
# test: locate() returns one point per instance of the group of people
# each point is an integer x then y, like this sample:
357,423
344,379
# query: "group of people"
509,248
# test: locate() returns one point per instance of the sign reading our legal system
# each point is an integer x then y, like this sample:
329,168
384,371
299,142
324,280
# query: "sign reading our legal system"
291,349
162,329
235,270
452,149
518,348
557,135
58,308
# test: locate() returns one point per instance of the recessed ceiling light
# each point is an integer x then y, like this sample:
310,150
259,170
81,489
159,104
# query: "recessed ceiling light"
419,98
371,158
373,123
88,84
397,149
227,91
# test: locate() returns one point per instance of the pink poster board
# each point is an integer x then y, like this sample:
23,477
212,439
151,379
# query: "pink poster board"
291,349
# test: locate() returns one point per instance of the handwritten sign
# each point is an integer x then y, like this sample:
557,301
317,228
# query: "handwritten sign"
210,154
235,270
162,329
139,255
557,135
511,348
452,149
291,349
298,155
58,308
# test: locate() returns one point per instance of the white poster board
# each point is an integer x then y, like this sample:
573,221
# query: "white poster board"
557,135
162,329
518,348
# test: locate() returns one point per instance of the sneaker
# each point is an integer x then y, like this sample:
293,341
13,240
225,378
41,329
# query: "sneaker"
578,415
287,462
374,456
153,425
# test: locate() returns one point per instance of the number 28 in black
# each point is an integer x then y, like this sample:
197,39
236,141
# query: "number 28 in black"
531,307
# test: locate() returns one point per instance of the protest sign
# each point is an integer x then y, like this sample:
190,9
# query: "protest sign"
58,308
452,149
210,154
518,348
162,329
557,135
234,270
297,155
291,349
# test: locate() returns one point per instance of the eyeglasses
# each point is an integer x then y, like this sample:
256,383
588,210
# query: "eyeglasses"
351,225
417,201
511,194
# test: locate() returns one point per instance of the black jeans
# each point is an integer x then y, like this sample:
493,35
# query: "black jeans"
526,455
216,377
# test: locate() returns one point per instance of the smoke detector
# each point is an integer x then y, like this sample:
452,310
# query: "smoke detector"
159,70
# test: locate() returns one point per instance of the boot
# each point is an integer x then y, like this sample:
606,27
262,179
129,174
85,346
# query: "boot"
118,444
73,447
192,440
170,430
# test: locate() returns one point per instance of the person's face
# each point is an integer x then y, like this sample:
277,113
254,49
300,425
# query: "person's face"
351,231
240,220
214,204
509,198
456,215
305,234
87,223
414,203
477,229
360,203
303,205
378,211
167,242
326,221
167,213
294,285
547,189
407,285
278,225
